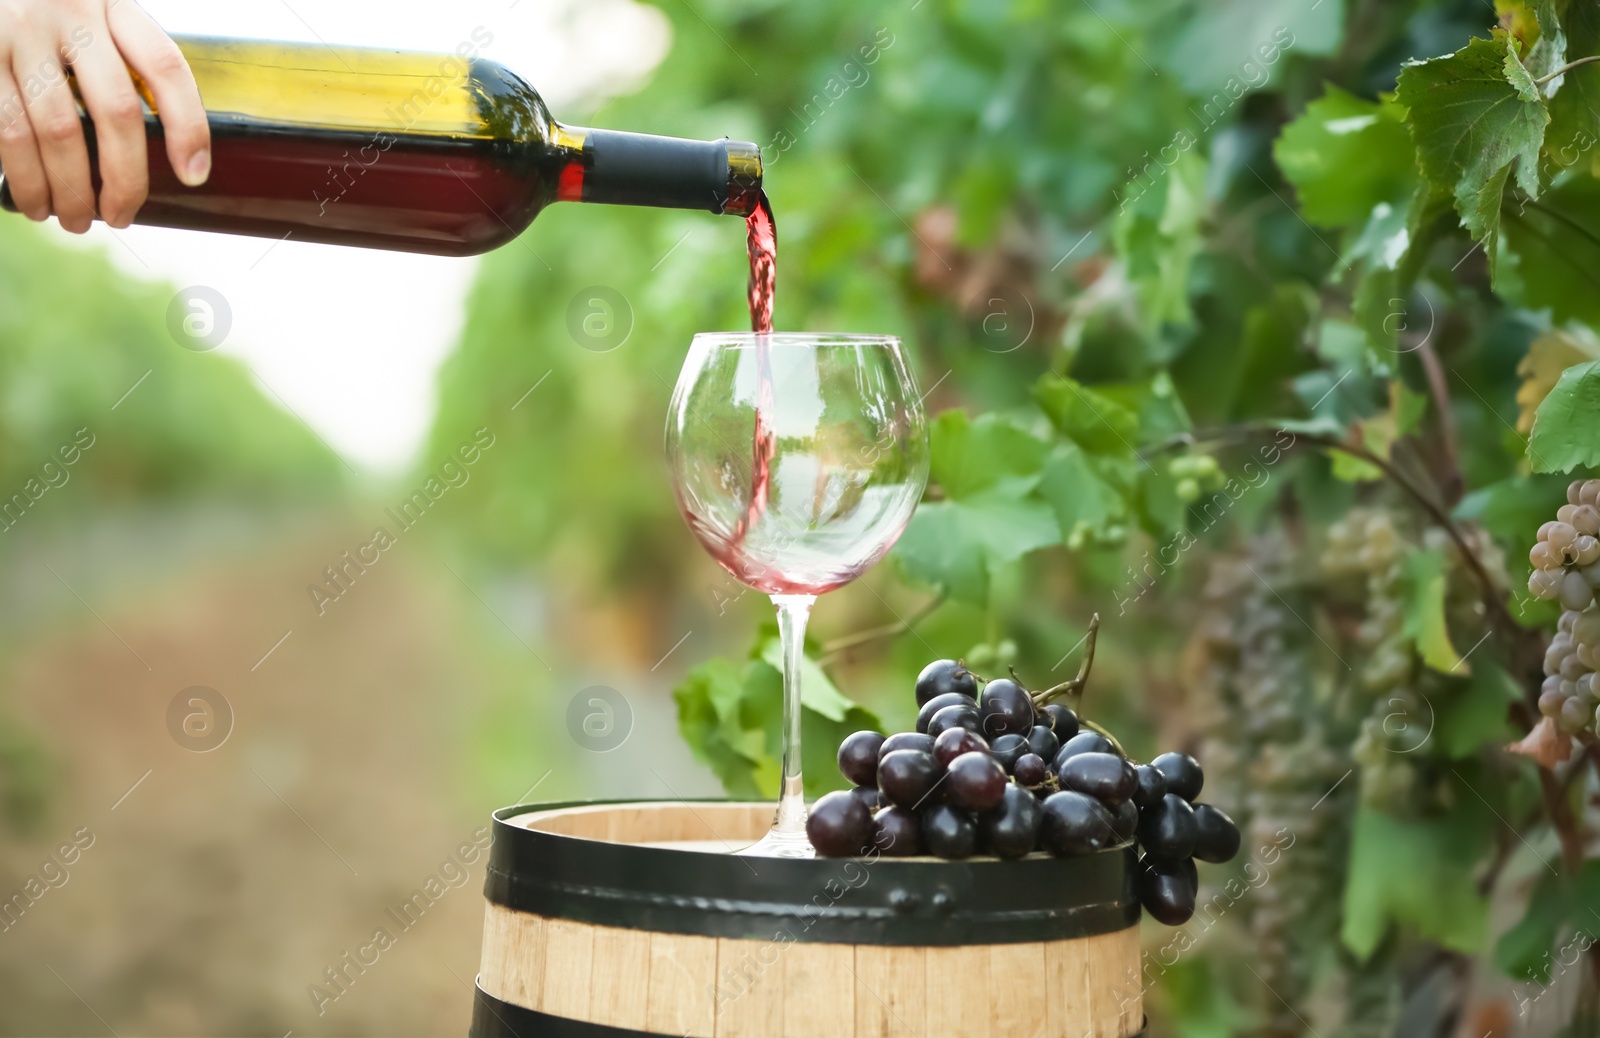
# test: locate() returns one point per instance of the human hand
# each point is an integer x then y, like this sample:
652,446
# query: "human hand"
42,146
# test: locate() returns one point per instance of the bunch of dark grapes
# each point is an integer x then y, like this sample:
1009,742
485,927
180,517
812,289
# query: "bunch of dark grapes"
1566,566
1000,772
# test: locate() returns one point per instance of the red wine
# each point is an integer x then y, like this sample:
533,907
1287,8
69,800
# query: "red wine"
761,241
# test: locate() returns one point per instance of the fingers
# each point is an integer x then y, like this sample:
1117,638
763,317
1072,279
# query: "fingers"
118,117
161,65
19,152
53,111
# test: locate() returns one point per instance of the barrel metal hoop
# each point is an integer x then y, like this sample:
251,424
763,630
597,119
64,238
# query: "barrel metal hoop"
838,901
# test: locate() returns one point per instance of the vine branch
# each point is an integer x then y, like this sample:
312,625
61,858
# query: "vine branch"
1243,433
1564,69
847,642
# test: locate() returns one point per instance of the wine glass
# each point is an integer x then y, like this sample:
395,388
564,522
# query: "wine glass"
797,460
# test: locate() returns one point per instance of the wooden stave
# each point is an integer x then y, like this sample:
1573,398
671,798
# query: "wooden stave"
493,1018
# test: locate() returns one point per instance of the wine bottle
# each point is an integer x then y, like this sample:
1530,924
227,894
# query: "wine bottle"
449,154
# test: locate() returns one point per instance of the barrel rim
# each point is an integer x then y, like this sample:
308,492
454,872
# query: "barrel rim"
494,1018
914,902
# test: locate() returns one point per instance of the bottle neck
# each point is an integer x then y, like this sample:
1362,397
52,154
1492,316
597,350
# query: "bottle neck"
721,176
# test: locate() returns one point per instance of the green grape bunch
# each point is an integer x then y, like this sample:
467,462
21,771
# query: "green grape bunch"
1367,544
1195,474
1566,567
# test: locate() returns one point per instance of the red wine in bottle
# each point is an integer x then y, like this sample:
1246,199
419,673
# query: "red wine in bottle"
449,154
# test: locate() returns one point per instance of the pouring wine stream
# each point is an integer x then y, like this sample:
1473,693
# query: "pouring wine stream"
787,838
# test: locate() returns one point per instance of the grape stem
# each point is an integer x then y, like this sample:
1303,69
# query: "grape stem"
840,646
1072,688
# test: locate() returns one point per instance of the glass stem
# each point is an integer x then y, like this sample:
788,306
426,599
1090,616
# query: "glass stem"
793,612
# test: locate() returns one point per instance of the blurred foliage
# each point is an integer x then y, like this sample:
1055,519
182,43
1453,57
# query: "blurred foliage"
1177,275
75,337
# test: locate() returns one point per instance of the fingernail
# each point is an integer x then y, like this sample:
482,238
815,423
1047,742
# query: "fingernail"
199,168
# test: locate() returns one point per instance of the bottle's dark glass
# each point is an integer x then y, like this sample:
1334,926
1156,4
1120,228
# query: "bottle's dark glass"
449,154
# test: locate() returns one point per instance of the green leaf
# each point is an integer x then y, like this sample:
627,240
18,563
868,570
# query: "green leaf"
1424,613
1564,428
1524,952
1540,369
727,732
1345,157
953,544
1475,716
1473,115
1417,872
1083,501
1557,244
969,457
1157,235
1222,49
731,715
1575,109
1090,419
1406,407
827,715
817,691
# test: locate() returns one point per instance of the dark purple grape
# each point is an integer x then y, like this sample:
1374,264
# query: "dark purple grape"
943,676
938,703
953,742
1183,773
1167,891
1083,742
1043,741
1168,831
906,741
1008,749
1031,770
868,795
858,757
906,777
839,825
1104,776
897,833
1063,722
1217,838
975,782
1011,829
1152,787
963,716
949,832
1125,819
1073,823
1005,708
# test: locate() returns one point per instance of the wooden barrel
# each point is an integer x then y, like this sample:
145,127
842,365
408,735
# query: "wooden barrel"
613,919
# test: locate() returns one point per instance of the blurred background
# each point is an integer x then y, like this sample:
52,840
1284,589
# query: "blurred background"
256,773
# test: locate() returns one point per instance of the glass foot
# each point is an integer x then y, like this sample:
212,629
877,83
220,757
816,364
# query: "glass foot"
778,844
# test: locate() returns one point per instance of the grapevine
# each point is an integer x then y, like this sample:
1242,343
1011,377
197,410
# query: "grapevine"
1278,747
